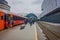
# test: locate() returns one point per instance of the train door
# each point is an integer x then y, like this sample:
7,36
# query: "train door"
1,20
11,21
7,21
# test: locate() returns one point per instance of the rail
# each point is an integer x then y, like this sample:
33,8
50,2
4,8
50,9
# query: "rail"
51,31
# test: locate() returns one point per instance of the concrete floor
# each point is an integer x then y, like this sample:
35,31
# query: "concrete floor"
29,33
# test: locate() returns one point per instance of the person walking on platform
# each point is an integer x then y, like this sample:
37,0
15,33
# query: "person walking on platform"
8,22
25,21
12,22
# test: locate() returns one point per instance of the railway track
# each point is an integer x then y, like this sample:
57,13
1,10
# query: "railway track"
51,31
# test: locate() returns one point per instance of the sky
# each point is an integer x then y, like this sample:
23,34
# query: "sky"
24,7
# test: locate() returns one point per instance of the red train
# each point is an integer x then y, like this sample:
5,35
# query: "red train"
9,20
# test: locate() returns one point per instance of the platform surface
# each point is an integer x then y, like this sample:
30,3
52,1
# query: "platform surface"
28,33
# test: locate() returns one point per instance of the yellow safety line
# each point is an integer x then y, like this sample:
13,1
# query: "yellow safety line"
36,34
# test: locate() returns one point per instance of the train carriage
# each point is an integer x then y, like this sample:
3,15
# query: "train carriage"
8,20
2,23
18,20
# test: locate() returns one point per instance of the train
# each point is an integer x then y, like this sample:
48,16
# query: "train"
9,20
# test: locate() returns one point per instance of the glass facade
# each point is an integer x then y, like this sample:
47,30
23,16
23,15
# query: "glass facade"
55,18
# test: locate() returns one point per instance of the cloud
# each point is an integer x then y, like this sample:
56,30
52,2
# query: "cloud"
23,7
37,2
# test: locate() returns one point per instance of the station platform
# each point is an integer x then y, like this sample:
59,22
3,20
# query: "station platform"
28,33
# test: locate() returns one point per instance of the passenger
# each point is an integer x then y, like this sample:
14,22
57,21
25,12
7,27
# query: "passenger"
26,21
31,23
8,22
12,22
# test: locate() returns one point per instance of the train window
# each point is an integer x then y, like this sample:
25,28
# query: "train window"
17,18
7,17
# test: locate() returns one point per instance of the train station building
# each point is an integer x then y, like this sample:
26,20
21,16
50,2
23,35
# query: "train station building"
49,6
4,5
50,11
